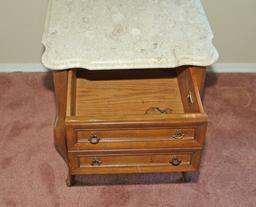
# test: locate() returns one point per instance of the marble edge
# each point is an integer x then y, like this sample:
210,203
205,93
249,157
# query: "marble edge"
72,63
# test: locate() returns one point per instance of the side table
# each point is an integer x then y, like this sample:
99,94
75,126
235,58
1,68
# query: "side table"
128,77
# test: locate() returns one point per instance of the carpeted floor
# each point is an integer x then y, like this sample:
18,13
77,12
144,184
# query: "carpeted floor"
32,174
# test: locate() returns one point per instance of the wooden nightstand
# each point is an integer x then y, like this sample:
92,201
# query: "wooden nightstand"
129,122
143,120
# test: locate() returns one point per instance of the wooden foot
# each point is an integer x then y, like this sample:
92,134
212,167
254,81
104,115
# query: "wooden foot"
70,180
185,178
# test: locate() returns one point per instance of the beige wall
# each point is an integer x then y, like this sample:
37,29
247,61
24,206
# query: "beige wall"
21,27
233,23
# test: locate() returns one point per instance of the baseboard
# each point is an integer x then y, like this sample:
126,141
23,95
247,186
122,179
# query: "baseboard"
233,68
23,67
216,68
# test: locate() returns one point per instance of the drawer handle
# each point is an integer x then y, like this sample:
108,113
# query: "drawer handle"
96,162
178,134
175,161
94,139
156,110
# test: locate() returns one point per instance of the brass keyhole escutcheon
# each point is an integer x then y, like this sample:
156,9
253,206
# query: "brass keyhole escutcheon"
94,139
178,134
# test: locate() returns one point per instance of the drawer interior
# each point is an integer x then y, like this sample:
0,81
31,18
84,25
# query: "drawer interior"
108,95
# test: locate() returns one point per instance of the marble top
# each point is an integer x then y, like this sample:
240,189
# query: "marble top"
126,34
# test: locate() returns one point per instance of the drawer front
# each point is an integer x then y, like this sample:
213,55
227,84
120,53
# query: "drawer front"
134,163
92,139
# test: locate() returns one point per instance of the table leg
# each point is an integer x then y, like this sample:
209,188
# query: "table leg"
60,84
185,177
70,180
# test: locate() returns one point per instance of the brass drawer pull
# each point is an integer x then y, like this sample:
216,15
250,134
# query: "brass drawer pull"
94,139
96,163
178,134
175,161
157,110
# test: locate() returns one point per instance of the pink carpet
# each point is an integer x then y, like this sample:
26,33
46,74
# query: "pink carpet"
32,174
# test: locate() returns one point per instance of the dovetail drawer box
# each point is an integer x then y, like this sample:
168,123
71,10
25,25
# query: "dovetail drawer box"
154,122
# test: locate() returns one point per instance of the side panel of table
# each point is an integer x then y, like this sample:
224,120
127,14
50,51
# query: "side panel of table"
199,74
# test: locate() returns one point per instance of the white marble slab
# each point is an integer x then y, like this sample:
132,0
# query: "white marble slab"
125,34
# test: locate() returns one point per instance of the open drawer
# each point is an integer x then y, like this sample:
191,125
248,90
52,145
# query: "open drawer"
134,109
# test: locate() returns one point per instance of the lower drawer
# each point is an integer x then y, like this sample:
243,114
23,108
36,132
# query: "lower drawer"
173,161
